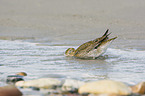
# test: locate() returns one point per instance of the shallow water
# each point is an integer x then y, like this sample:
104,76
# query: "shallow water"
39,60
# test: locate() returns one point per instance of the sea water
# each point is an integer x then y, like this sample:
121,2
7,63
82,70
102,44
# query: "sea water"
38,60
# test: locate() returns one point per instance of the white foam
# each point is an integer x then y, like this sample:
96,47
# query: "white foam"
124,65
130,54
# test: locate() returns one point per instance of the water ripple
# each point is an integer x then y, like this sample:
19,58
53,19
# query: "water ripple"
38,60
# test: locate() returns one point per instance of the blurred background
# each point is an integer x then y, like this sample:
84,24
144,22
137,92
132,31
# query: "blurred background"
73,22
34,35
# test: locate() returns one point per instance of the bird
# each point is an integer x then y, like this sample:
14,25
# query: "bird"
91,49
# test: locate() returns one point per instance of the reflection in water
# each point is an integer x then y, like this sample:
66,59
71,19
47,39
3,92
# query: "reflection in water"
91,69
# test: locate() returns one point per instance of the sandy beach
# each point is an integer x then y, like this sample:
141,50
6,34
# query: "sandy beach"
73,22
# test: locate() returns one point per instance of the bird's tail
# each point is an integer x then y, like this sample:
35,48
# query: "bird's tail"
104,39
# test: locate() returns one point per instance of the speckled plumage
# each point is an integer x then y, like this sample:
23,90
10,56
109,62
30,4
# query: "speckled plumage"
92,48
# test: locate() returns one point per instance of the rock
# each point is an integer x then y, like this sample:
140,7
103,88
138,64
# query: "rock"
139,88
35,88
21,74
9,91
11,79
71,85
39,83
14,78
105,87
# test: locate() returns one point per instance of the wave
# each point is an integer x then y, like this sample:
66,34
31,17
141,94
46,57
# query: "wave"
127,55
16,56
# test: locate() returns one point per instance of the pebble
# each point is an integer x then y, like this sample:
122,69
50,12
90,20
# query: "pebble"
9,91
71,85
39,83
105,87
139,88
11,79
14,78
21,73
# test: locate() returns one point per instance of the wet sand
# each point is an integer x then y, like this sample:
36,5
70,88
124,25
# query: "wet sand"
72,22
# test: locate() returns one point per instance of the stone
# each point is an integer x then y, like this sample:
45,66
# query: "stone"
11,79
9,91
21,74
105,87
71,85
139,88
39,83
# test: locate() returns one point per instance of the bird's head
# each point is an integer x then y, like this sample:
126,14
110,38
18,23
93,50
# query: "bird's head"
70,52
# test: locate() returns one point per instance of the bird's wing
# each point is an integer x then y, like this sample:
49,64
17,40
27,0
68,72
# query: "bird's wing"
83,47
88,46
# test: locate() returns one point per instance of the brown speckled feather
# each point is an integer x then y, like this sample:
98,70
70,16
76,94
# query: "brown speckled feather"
91,49
88,46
